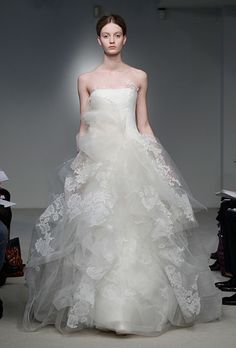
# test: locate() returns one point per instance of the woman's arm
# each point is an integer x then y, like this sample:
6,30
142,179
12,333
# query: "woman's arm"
83,97
141,107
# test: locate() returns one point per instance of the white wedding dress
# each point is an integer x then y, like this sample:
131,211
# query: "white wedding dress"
117,249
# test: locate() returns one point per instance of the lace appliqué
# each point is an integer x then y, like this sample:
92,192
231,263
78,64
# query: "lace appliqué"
149,197
152,146
189,300
50,216
95,272
42,245
95,206
154,150
163,228
78,314
84,299
131,84
186,207
83,169
174,254
103,177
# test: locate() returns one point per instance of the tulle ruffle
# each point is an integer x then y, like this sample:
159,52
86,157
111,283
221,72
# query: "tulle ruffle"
114,249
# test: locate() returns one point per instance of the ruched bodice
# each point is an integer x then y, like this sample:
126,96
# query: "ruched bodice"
123,97
119,102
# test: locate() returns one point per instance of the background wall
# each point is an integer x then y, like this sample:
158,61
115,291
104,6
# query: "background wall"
190,61
229,102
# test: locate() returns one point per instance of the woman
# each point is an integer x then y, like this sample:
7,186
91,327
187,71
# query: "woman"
112,251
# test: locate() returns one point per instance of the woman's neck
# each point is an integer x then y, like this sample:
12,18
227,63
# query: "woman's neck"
113,64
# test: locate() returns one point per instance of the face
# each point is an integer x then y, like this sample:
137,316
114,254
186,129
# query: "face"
112,39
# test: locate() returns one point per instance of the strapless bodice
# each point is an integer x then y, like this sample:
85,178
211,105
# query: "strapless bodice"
112,108
123,99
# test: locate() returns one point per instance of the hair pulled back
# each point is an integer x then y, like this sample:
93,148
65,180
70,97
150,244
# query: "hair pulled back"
114,18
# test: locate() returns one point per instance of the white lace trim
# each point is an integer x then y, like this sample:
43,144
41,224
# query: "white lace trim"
188,299
50,216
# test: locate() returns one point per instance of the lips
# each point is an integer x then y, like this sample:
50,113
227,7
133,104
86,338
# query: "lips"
112,46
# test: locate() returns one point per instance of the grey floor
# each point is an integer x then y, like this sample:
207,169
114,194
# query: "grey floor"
221,333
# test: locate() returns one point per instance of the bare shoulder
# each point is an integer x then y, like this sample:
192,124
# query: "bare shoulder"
140,77
136,71
88,80
83,80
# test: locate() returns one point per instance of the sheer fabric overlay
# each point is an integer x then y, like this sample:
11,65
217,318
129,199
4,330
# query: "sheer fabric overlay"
117,247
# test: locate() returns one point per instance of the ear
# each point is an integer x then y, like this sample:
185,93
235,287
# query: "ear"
124,39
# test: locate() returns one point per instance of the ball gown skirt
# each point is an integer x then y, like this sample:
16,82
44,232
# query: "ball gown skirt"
118,248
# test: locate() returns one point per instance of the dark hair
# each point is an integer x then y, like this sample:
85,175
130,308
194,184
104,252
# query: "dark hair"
114,18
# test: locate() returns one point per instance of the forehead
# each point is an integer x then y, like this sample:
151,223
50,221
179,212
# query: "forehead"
111,28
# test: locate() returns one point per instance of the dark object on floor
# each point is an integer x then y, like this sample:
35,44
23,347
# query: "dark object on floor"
227,274
3,276
5,213
229,285
214,256
215,266
1,308
14,266
231,300
227,237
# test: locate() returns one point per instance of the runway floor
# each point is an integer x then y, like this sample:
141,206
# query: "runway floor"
218,334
